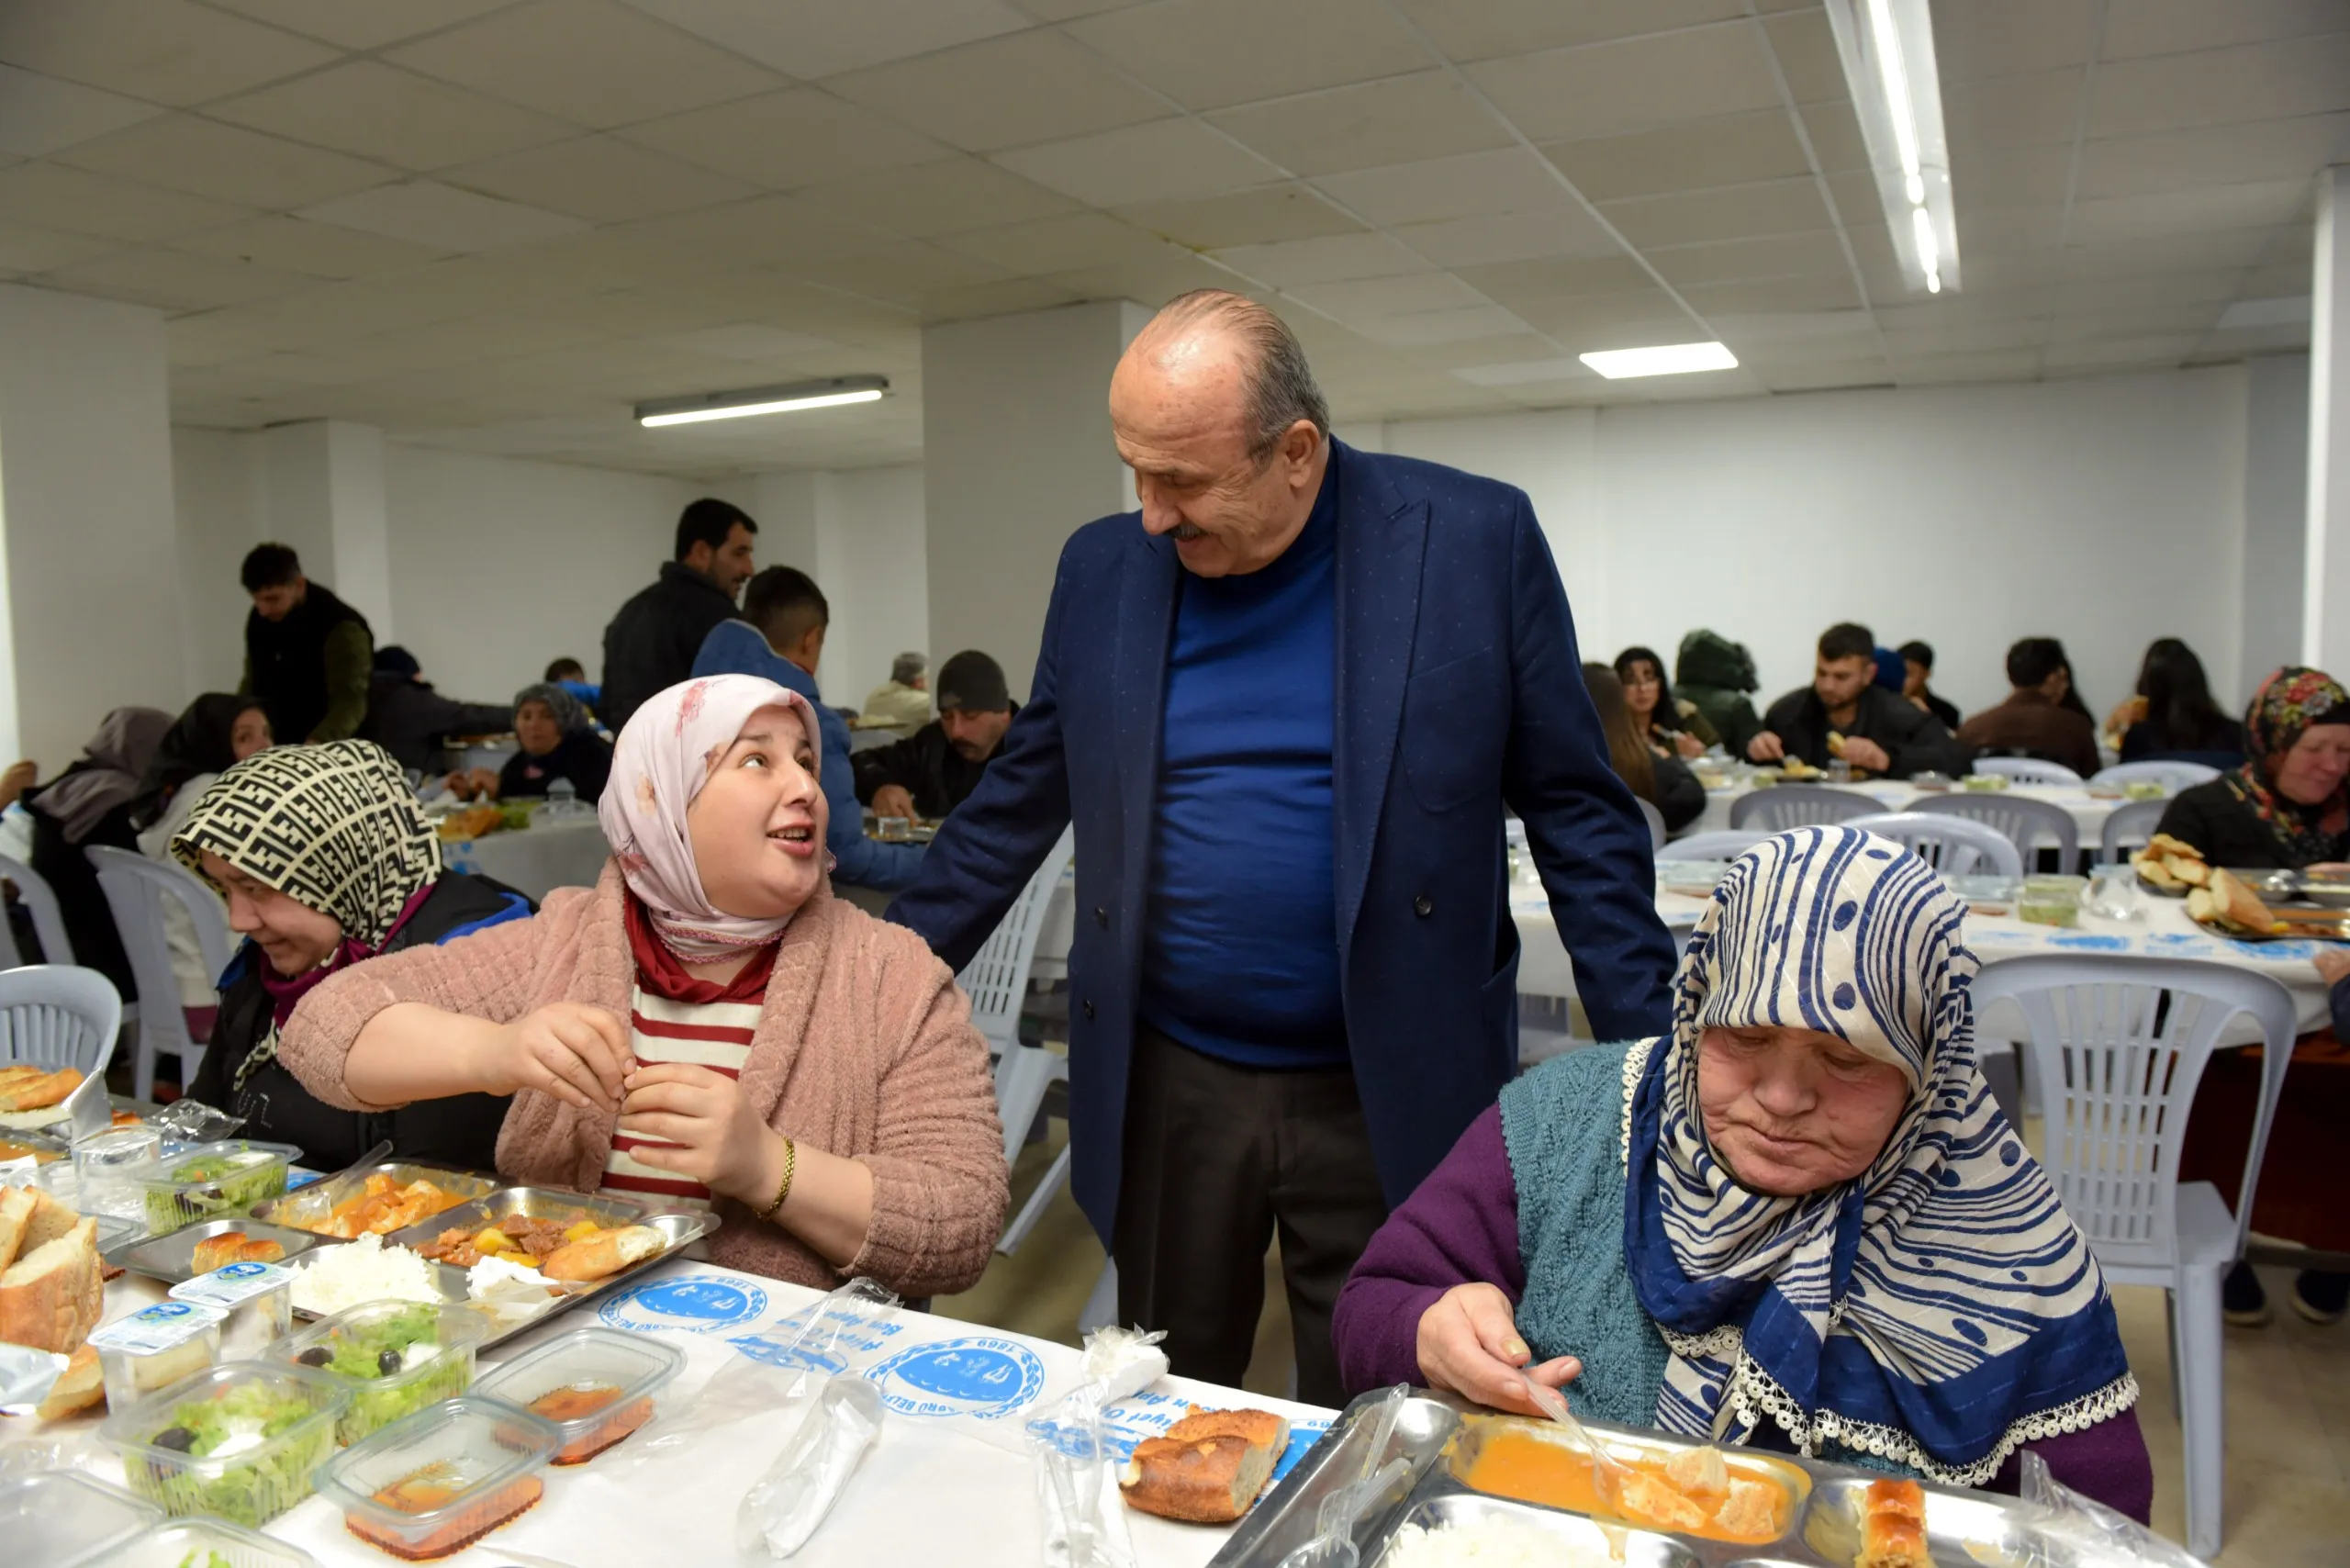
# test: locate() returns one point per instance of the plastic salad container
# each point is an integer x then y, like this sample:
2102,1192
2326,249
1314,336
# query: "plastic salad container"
394,1357
442,1479
593,1385
155,1348
211,1179
258,1298
201,1543
238,1441
55,1516
2052,900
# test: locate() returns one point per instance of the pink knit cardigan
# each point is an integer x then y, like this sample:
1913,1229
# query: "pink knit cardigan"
865,1049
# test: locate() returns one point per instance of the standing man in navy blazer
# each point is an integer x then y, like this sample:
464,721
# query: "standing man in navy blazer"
1285,705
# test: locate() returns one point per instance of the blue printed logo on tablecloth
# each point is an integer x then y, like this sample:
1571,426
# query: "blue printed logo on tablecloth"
984,1378
690,1304
2178,944
1144,1416
2089,942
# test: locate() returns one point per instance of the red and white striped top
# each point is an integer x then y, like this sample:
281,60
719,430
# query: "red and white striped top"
715,1035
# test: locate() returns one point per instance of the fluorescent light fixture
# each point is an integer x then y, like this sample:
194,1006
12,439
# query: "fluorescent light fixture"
830,393
1887,50
1665,359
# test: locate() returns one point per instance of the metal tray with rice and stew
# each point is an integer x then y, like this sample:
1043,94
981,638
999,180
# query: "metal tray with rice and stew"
375,1199
1472,1487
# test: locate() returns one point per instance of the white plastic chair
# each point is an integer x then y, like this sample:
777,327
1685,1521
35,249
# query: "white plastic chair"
996,980
2131,827
1655,821
1954,846
2172,776
1724,844
2119,1046
54,1016
1784,806
2026,822
2027,769
49,922
135,888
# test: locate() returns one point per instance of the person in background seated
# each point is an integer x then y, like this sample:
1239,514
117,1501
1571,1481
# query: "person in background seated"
572,676
1797,1221
556,739
2173,718
1712,675
1655,775
651,644
87,804
1882,735
781,639
328,864
1671,725
935,769
708,1025
1892,673
2286,808
414,723
309,656
2033,721
217,732
1917,670
903,701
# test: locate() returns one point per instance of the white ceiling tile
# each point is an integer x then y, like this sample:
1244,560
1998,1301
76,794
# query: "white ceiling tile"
1785,295
1366,126
1827,377
2111,325
2013,38
1006,92
593,63
426,213
380,111
2112,353
26,249
2174,27
1517,283
295,244
2001,364
1465,324
747,340
1524,371
1161,160
2221,86
1507,180
1009,297
1805,48
600,178
175,280
1567,93
1834,131
78,202
2041,107
766,230
905,272
1735,212
360,23
224,162
2164,253
1814,254
166,51
1261,216
1669,325
1735,150
947,198
1481,29
1563,230
1405,294
811,38
784,140
2200,209
1066,243
1325,259
1148,283
40,115
2213,155
1185,48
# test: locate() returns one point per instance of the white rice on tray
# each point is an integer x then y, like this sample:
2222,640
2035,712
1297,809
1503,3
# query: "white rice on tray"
1493,1541
332,1278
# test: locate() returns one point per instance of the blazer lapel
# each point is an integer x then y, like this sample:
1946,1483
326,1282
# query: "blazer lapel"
1383,538
1149,577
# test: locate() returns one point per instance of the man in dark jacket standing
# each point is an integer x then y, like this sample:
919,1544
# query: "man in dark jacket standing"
935,769
1844,715
307,655
651,644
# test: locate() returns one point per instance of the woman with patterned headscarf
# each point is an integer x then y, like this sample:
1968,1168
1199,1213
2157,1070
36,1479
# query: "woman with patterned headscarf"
327,862
1796,1222
2288,805
708,1025
557,739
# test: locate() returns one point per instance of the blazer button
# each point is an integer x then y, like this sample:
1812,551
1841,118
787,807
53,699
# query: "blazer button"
1424,906
1089,1008
1101,917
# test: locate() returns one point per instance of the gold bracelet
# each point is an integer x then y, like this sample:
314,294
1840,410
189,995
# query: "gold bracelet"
790,1164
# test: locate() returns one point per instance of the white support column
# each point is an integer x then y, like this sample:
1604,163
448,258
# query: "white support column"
2325,619
324,482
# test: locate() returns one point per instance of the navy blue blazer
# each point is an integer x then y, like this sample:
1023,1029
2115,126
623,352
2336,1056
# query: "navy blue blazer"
1460,691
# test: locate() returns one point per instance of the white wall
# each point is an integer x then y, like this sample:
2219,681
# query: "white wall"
872,564
219,495
2275,506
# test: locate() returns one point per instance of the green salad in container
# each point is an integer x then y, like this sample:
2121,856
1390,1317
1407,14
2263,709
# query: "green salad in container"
394,1357
217,1179
238,1442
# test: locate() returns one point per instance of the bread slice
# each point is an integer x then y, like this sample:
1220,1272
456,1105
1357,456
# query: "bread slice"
16,1213
50,1219
52,1297
2240,905
603,1255
1260,1429
1207,1468
80,1386
39,1092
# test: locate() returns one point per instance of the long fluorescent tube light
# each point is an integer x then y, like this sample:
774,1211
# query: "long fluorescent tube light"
1886,47
1665,359
830,393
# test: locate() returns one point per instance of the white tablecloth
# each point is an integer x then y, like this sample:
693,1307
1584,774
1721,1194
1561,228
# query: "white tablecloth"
2088,812
566,853
924,1492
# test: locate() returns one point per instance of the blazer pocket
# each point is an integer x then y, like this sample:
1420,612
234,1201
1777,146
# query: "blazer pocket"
1456,718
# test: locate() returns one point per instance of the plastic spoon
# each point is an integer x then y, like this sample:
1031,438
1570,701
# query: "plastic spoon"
1332,1545
1608,1473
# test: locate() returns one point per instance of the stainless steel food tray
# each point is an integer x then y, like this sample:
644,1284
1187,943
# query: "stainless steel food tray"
321,1198
171,1257
1435,1434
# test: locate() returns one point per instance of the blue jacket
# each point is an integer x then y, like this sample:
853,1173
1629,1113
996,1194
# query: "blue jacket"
1460,691
736,647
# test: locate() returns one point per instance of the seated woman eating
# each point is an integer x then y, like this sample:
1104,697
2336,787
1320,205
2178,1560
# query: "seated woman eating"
327,863
555,738
708,1025
1798,1221
2288,806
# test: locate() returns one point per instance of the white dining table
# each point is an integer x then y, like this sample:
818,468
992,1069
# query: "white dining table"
562,852
2088,811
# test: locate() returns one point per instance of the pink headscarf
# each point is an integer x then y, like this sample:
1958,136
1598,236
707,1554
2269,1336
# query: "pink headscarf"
660,764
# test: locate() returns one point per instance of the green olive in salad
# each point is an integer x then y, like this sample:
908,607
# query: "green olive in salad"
246,1456
395,1364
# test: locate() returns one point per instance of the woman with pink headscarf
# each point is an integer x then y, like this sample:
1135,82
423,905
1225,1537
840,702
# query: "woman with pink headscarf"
709,1025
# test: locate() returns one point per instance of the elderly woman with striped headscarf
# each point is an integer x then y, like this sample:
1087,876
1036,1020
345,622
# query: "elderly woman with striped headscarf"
1798,1221
557,739
327,862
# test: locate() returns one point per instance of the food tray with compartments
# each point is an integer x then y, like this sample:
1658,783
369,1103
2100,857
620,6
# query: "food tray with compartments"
1440,1439
171,1257
312,1205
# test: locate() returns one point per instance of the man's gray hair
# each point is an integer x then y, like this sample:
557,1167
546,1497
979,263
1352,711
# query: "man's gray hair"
909,668
1281,387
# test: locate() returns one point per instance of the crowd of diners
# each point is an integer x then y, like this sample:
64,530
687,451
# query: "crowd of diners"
1285,726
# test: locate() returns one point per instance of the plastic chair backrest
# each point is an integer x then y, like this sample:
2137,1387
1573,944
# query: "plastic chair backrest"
135,888
1784,806
996,980
2131,826
2117,1046
55,1015
1723,844
49,920
2027,769
1956,847
2171,776
2026,822
1655,819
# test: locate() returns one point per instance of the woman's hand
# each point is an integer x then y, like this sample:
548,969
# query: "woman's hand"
1468,1344
2331,965
579,1054
1688,745
723,1141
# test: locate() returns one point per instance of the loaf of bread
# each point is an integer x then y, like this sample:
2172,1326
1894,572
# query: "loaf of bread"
602,1254
233,1247
52,1297
79,1387
26,1088
16,1213
1207,1468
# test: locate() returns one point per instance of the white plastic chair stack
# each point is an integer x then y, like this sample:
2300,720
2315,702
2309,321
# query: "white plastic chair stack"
1951,845
49,922
2119,1046
54,1016
2027,769
996,980
135,888
2172,776
1784,806
2027,823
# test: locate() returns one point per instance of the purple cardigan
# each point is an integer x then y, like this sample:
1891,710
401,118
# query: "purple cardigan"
1461,1227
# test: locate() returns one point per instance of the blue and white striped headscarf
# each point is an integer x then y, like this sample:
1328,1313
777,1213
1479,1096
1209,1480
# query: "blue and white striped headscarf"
1937,1311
